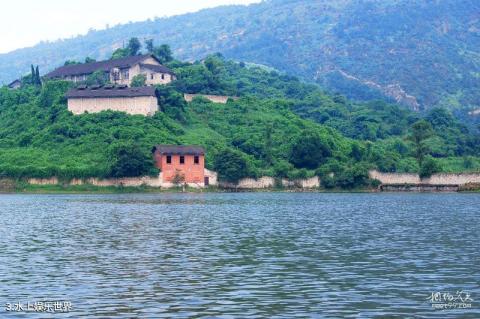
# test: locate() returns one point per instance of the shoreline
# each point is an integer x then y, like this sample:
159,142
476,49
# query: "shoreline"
92,189
25,188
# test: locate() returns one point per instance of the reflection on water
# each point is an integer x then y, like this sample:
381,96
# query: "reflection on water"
240,255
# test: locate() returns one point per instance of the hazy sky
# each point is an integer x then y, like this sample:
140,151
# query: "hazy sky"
27,22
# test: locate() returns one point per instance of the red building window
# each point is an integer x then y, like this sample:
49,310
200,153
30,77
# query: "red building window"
182,159
196,160
169,159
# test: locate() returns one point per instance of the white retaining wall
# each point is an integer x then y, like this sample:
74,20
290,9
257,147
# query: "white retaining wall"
414,179
246,183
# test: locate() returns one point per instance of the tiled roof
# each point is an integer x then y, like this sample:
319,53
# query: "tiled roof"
14,82
106,66
179,149
107,92
157,68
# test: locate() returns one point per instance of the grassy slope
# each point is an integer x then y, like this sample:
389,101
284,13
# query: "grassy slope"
32,143
40,138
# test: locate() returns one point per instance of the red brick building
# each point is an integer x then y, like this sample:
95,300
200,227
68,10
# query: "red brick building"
181,162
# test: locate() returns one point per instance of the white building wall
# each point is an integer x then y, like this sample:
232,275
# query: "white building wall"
142,105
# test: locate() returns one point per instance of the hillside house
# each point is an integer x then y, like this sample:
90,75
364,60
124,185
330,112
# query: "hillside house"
15,84
118,71
141,100
181,164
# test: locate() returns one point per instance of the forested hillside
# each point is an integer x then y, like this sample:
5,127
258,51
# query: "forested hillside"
422,53
279,127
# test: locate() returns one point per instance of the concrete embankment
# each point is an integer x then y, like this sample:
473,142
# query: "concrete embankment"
407,182
264,183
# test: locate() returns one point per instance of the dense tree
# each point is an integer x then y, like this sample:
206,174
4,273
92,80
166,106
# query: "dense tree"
209,77
53,93
310,150
138,80
34,77
38,80
230,165
169,98
352,176
120,53
149,45
128,160
97,78
162,52
421,131
429,167
134,46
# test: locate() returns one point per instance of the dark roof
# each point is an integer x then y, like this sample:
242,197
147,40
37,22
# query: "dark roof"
107,92
17,81
157,68
106,66
179,149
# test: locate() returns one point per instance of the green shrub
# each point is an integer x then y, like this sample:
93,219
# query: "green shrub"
138,80
310,150
230,165
429,167
128,160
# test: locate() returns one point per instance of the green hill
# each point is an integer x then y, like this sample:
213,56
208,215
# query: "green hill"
279,127
421,53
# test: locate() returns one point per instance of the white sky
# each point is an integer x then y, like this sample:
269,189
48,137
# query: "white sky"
26,22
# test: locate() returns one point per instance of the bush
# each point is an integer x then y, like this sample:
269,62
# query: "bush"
353,176
282,168
310,150
138,80
128,160
97,78
230,165
429,167
328,181
53,92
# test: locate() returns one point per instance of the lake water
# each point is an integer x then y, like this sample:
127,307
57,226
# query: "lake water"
255,255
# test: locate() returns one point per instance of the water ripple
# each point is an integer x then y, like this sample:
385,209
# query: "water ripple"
240,255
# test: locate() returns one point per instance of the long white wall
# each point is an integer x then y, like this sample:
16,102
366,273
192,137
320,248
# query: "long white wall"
223,99
246,183
142,105
414,179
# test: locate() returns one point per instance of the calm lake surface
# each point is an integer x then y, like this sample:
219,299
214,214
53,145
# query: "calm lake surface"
255,255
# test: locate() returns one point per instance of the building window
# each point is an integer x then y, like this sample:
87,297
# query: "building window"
163,76
115,75
152,76
126,75
182,159
196,160
169,159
